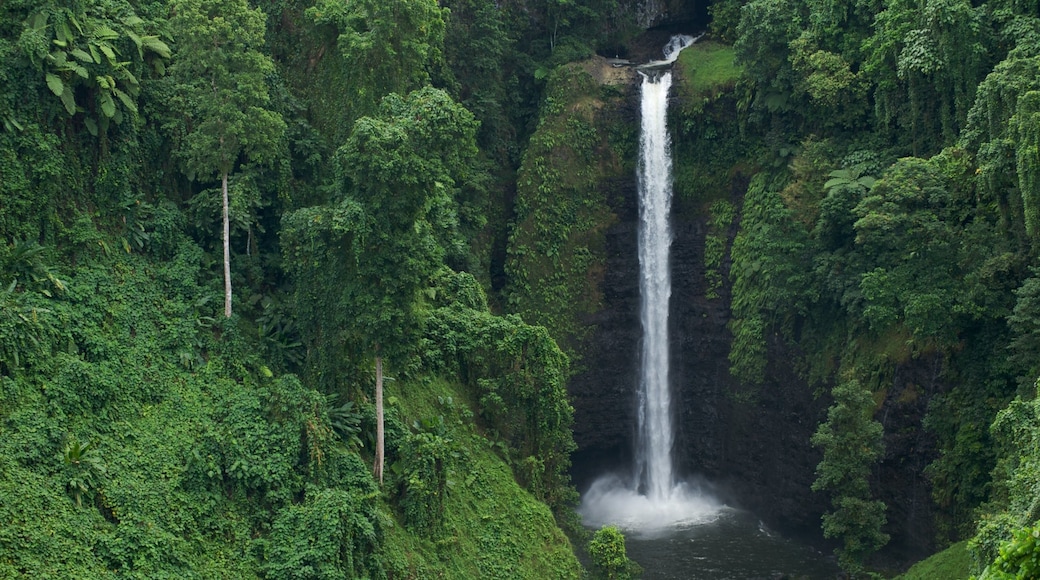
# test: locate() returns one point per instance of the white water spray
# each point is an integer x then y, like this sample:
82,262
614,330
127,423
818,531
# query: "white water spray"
654,499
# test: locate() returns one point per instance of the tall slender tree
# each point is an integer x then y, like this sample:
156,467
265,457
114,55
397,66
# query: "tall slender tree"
403,167
221,74
375,250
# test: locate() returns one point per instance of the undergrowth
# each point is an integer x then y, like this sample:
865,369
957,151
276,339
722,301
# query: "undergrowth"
143,436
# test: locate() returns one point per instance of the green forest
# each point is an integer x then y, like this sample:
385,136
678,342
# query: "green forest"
296,288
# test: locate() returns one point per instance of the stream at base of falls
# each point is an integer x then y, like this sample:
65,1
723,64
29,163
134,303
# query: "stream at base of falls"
691,535
733,545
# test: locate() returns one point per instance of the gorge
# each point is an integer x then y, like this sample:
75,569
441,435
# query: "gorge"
752,443
657,508
652,496
447,192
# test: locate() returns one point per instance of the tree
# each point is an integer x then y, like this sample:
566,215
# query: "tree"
402,168
380,245
906,235
766,29
221,74
392,46
852,441
1025,324
925,59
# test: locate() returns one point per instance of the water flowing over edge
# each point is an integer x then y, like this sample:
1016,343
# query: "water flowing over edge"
653,500
653,466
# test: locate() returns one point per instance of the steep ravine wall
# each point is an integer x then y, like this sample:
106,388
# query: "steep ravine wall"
656,13
751,444
757,452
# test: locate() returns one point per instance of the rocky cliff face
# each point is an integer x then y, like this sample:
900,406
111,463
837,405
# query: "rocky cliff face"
752,444
655,13
754,447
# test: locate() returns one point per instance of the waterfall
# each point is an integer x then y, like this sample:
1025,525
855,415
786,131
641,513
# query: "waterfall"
653,498
653,465
654,434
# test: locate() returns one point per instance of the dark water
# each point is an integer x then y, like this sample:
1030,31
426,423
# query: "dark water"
733,546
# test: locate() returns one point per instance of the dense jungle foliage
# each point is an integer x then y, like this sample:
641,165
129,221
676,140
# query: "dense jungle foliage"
366,163
422,184
891,222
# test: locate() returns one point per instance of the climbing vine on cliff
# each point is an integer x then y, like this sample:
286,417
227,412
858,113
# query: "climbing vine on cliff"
556,249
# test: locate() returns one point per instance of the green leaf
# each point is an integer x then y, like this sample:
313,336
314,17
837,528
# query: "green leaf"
834,181
39,21
105,33
108,106
55,84
129,78
137,42
107,50
81,54
94,53
157,46
91,126
125,99
10,124
63,33
69,101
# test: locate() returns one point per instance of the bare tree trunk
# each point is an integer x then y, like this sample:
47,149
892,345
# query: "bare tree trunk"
227,250
378,469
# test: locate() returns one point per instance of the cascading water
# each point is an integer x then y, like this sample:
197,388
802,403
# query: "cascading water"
653,499
654,435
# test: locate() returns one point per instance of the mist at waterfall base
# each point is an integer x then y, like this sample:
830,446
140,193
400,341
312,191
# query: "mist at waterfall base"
675,528
691,535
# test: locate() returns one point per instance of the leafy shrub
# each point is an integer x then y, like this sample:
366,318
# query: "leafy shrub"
517,374
263,438
609,559
26,324
330,536
82,468
427,458
1019,558
345,421
722,214
769,272
1001,541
